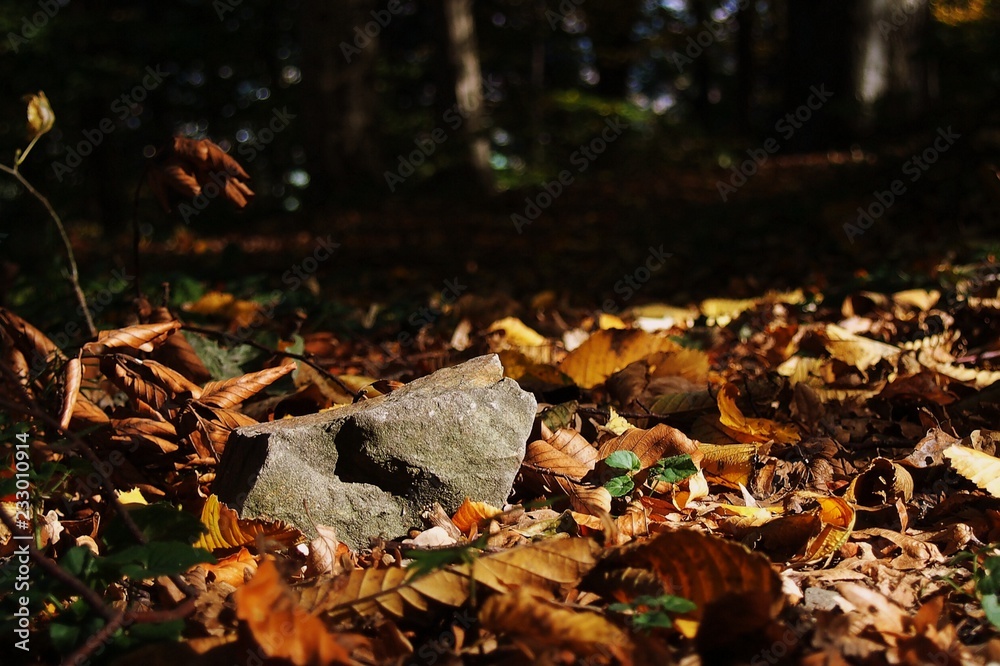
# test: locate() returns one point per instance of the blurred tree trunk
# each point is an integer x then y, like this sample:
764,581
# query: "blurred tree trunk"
819,53
869,54
890,71
338,77
702,69
745,65
609,26
464,52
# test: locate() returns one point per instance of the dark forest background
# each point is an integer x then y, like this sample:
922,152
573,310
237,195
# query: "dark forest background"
322,101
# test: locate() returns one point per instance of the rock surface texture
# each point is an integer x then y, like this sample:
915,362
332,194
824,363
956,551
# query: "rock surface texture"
368,469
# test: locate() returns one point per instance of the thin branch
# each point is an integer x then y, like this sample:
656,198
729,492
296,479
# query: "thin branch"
305,358
90,596
74,276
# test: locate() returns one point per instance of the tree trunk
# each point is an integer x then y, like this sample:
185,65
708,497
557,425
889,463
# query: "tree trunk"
819,54
609,26
890,74
745,66
464,53
339,108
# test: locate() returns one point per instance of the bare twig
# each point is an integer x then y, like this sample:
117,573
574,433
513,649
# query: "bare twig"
305,358
74,276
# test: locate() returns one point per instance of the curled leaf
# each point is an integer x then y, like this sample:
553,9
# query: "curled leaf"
187,168
41,118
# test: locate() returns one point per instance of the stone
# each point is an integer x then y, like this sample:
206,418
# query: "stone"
370,468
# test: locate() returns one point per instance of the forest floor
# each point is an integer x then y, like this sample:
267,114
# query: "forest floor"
819,395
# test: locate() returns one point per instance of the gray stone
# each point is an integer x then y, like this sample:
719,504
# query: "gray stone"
368,469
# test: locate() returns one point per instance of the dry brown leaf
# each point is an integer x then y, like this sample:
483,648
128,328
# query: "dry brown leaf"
732,462
980,468
233,569
41,118
472,513
225,529
141,337
929,451
185,167
282,629
176,352
858,351
882,482
71,391
86,413
136,380
660,441
606,352
29,340
746,429
542,624
232,392
325,552
546,458
731,586
836,520
137,430
543,564
237,312
208,428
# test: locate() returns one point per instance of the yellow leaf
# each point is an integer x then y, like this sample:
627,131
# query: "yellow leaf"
606,352
133,497
980,468
472,513
41,118
856,350
517,333
747,429
606,321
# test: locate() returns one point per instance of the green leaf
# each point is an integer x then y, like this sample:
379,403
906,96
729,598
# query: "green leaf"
649,612
159,558
991,606
651,620
669,603
674,468
426,561
624,460
158,522
80,562
560,416
620,486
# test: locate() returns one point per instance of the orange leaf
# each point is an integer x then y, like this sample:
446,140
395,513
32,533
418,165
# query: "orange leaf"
281,628
746,429
606,352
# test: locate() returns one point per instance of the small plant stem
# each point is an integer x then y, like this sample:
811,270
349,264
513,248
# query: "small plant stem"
74,276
